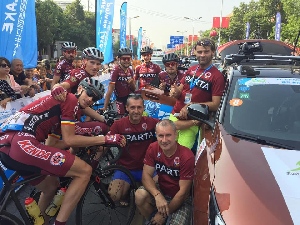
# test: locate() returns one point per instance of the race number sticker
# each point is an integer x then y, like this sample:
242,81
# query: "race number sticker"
236,102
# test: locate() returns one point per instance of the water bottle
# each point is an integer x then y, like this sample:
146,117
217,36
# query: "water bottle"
56,202
34,211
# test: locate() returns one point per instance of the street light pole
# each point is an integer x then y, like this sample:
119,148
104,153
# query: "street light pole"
129,25
182,32
193,20
219,39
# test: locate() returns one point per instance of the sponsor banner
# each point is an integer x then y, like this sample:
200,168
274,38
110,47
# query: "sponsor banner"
285,166
247,30
104,22
278,26
123,17
18,33
140,36
157,110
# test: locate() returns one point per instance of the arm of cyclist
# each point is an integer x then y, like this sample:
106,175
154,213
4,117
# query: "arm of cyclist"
55,81
58,90
149,184
93,114
54,141
131,83
111,88
175,91
71,139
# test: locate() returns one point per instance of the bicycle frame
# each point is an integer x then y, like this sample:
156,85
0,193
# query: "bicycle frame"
8,191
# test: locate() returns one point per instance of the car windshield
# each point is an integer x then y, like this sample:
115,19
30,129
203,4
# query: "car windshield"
265,109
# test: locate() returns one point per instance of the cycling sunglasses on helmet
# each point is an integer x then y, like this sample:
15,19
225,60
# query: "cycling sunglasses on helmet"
91,94
205,43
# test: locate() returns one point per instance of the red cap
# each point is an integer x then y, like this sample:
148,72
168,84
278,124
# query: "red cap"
28,200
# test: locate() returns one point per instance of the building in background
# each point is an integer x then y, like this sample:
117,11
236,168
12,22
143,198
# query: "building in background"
63,3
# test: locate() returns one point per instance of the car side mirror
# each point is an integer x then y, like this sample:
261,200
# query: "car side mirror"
199,112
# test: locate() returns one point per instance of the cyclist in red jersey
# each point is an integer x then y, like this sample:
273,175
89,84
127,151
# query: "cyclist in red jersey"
171,76
170,199
64,67
91,63
28,128
147,71
122,81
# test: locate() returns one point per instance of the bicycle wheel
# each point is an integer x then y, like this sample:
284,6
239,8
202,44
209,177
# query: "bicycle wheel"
9,219
95,207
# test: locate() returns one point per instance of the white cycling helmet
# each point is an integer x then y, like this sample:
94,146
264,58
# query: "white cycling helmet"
68,45
92,53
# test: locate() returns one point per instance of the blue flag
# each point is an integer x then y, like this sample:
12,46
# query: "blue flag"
18,36
140,36
247,30
278,26
104,21
123,19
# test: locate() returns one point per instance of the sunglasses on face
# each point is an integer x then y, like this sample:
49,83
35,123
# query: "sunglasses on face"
126,59
169,64
4,65
146,55
70,51
91,94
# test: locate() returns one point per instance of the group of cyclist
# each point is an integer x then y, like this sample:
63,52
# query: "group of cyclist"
39,133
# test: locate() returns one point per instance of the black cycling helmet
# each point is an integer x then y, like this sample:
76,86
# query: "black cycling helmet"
171,57
124,51
146,49
92,53
93,87
68,45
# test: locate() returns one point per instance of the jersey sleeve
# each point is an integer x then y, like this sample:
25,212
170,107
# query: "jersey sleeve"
114,75
218,84
58,69
149,157
114,128
74,79
69,110
187,169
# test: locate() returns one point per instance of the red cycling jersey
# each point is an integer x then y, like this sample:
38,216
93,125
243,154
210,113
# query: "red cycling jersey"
63,69
120,78
212,83
170,170
164,77
145,73
138,136
75,77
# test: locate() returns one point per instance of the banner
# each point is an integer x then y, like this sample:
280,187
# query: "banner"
104,22
140,35
123,19
278,26
247,30
18,35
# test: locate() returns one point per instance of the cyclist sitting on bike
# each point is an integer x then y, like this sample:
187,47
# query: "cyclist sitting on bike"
91,63
139,131
28,128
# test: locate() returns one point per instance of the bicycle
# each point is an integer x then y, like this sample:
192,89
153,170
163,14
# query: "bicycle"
99,182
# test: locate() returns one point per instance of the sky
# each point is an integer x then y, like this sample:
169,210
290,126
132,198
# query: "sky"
162,18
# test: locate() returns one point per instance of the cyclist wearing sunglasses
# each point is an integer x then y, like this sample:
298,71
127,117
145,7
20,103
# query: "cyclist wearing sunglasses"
147,71
121,82
28,129
202,83
91,64
64,67
171,75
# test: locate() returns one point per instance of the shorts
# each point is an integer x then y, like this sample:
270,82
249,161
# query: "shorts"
35,157
188,136
181,216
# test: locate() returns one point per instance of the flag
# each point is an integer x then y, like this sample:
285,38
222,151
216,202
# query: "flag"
104,21
123,17
190,38
216,22
140,35
18,35
278,26
225,22
247,30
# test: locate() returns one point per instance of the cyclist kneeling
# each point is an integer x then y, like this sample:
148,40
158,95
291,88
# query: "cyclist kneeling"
30,126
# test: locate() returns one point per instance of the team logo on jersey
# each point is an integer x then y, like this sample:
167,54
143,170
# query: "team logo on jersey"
176,161
207,75
57,159
57,71
97,130
158,155
30,149
144,126
73,79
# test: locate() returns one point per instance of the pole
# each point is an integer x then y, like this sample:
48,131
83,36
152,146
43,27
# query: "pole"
219,40
193,33
129,26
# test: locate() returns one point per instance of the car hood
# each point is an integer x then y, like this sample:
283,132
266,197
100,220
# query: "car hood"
256,184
